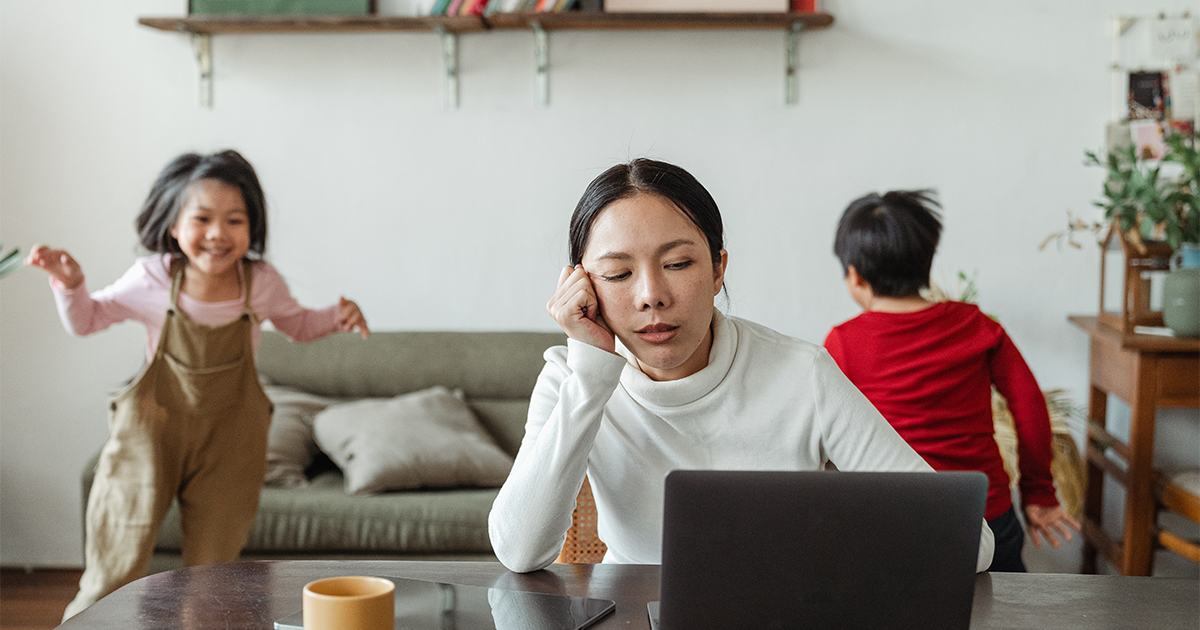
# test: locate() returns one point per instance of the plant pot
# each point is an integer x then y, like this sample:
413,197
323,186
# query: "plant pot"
1188,256
1181,293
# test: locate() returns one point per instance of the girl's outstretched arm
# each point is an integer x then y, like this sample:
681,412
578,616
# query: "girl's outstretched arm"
83,313
350,317
63,269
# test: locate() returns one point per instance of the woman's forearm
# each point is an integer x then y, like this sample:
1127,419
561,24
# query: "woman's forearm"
532,512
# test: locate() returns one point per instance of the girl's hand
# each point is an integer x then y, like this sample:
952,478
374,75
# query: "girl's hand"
67,273
349,318
1045,521
577,311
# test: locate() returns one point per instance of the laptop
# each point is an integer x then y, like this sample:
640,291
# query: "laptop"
825,550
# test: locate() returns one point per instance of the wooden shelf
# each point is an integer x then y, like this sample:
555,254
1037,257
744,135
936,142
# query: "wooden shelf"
231,24
234,24
202,28
658,21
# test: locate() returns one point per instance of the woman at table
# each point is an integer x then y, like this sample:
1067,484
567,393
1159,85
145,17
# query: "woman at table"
654,378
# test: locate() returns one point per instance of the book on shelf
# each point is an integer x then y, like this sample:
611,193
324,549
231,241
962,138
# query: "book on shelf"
440,7
696,6
281,7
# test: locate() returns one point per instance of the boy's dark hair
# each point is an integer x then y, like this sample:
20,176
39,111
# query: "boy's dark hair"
645,176
890,240
169,194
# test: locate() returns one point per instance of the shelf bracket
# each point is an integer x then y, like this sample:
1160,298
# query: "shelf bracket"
202,44
449,67
791,76
541,53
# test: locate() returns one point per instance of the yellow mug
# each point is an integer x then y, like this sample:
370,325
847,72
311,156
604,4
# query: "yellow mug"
349,603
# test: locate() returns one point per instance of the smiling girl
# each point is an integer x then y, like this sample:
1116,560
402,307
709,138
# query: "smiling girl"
654,378
193,425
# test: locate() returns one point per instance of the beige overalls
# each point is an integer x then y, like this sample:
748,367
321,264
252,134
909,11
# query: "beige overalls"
193,425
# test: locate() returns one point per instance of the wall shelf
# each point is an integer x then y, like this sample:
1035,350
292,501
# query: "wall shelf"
244,24
202,28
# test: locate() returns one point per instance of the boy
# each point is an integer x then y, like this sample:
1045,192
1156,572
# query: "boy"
929,367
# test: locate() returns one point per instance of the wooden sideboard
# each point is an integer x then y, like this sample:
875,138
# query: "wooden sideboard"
1148,372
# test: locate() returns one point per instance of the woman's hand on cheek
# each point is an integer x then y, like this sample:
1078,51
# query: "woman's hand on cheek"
577,311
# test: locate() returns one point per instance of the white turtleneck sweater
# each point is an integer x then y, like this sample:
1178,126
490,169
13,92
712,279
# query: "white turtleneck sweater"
765,401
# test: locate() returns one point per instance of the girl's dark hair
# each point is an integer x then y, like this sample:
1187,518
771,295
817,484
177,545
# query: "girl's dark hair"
890,240
644,176
169,194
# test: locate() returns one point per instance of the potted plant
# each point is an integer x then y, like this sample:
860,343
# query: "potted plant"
1151,215
1141,201
1144,204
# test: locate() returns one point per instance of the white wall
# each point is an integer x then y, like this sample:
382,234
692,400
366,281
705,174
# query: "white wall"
457,220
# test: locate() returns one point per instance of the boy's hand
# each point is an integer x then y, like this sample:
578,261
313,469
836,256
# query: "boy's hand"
349,318
577,311
67,273
1044,521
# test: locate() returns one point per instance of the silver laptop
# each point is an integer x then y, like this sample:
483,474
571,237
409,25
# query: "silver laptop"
825,550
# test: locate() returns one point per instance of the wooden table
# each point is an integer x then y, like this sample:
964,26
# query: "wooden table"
243,595
1147,372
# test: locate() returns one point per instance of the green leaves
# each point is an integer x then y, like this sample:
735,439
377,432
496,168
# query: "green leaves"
1186,197
1142,202
10,262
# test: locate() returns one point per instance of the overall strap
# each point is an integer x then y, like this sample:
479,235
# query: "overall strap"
177,265
247,276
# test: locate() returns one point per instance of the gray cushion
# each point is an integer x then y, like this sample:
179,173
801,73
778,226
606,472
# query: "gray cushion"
290,443
504,419
422,439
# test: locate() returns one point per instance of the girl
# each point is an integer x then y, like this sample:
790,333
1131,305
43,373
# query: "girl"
653,378
193,425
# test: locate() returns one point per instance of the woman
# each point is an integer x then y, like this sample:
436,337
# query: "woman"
654,378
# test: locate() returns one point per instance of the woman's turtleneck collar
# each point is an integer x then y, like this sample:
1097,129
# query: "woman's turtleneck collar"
662,394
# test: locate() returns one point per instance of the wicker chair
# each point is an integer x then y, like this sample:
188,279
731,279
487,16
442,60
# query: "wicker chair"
583,545
1066,465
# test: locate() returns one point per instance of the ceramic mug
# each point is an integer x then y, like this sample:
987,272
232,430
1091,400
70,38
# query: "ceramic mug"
349,603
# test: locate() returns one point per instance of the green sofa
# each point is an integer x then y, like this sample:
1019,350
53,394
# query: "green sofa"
495,370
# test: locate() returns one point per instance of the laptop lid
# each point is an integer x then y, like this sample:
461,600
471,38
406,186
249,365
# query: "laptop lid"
819,549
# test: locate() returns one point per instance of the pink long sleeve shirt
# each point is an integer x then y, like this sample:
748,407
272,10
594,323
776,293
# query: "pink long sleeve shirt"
143,294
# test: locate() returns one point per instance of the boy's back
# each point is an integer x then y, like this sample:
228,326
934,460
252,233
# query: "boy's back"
930,373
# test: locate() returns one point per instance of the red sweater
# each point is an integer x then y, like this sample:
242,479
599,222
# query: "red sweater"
930,374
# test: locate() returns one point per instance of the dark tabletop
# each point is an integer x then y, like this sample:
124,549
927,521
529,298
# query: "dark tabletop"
255,594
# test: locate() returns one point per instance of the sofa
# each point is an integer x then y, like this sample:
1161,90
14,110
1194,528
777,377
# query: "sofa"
493,372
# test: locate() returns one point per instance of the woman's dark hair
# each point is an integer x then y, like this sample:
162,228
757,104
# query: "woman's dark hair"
643,176
170,192
890,240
